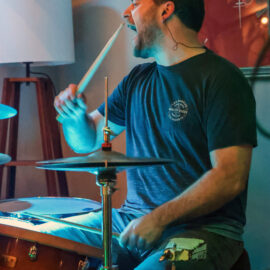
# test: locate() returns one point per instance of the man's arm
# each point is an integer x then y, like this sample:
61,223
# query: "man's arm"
218,186
83,132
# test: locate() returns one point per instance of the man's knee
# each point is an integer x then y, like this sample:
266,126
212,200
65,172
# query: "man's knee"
194,265
152,262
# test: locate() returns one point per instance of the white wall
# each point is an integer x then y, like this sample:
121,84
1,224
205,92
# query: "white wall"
94,23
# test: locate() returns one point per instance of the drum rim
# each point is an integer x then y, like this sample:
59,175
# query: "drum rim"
49,197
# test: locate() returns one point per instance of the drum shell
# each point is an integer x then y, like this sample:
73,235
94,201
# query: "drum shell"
14,252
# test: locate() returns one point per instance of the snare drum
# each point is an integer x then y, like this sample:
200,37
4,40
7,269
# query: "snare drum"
58,207
24,249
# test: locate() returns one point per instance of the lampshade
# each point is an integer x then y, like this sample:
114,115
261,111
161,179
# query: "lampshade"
38,31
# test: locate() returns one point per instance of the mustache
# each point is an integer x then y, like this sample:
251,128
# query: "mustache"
132,27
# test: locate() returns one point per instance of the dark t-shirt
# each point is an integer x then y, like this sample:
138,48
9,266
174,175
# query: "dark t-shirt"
183,112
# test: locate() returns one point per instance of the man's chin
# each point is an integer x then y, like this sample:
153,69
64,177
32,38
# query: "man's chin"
142,53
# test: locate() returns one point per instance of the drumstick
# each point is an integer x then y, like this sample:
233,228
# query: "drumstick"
70,224
93,68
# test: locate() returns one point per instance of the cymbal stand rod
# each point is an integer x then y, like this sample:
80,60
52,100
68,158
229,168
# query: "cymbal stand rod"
106,146
106,101
107,226
106,183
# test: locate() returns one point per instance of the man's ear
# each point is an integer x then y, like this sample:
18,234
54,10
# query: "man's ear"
168,9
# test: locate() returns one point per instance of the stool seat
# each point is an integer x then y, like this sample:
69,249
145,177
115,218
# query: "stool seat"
243,262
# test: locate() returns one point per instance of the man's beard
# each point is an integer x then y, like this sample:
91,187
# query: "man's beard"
145,46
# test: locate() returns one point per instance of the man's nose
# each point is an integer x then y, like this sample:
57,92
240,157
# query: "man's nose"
127,13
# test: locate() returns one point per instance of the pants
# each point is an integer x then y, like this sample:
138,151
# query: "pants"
222,252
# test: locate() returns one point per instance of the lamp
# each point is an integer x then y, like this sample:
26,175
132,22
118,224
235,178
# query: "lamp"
40,33
36,31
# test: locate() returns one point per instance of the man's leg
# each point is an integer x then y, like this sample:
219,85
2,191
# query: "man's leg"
92,219
121,257
222,253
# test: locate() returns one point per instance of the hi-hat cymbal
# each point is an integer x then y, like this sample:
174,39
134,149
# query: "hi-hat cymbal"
101,161
6,111
4,159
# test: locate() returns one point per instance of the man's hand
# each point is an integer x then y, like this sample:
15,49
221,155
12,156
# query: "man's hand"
68,105
141,233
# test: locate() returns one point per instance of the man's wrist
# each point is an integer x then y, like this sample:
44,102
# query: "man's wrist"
79,119
159,218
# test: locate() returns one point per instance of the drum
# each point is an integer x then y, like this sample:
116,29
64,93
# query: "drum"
24,249
58,207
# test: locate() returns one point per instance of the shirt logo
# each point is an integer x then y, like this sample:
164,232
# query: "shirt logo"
178,110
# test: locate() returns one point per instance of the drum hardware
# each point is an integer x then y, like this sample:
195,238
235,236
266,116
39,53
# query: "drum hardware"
6,111
83,265
8,261
33,253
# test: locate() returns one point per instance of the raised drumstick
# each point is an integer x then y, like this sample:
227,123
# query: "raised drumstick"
69,224
93,68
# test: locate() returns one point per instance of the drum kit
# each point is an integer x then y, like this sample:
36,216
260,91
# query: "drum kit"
28,249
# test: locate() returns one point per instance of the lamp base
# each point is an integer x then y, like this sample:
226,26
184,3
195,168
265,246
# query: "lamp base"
27,70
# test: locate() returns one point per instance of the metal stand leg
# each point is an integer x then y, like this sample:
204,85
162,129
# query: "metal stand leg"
107,225
106,184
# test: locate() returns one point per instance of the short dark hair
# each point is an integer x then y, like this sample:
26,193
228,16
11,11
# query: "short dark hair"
190,12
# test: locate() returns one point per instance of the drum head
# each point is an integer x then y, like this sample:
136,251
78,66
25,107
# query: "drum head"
50,206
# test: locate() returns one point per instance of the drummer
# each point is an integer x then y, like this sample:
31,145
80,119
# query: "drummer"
189,105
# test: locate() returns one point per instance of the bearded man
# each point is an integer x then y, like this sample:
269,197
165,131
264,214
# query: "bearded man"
189,105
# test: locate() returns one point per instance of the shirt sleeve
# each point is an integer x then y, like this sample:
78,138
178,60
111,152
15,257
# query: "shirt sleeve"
230,111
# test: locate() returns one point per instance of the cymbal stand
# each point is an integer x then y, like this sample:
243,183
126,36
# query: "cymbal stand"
106,179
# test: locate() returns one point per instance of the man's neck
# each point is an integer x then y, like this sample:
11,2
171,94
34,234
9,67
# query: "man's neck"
169,59
177,45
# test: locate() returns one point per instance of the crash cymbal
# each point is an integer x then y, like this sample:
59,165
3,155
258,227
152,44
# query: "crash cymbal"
4,159
6,111
100,161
